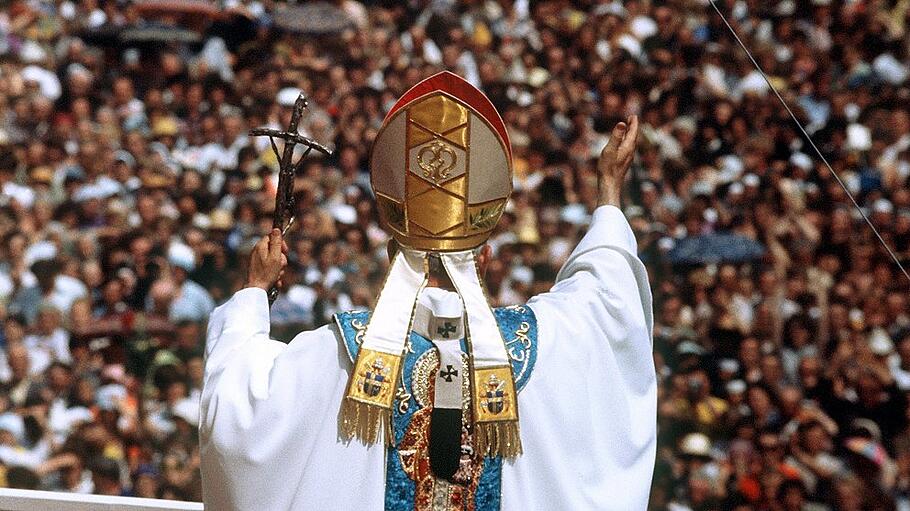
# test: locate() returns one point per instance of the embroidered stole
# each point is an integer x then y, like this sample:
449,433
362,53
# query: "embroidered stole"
410,484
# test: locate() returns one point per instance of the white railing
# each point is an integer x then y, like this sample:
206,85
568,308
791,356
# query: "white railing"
28,500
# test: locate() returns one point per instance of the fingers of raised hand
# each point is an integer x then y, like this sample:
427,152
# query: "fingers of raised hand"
616,137
627,147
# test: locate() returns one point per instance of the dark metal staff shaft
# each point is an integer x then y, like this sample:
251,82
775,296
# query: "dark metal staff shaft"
284,195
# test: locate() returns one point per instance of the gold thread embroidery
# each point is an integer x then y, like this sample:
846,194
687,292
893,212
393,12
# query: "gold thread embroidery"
392,211
494,401
441,495
403,397
436,160
374,378
431,493
493,394
485,217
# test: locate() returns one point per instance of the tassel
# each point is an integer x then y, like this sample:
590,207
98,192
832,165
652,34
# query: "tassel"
365,421
367,406
498,439
496,431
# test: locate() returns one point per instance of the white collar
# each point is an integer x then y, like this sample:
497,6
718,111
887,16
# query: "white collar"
439,315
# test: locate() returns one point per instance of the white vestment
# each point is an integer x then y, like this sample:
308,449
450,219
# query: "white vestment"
269,413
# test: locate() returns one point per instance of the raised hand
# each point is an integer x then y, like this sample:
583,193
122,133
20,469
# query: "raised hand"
615,160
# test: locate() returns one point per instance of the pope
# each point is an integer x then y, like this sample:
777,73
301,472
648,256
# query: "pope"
434,400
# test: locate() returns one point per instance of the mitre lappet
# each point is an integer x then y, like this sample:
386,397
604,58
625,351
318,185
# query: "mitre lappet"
441,171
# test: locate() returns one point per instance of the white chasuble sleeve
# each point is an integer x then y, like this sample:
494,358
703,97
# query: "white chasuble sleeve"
589,410
268,421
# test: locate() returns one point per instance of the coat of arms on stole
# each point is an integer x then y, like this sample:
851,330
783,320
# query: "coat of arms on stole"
374,379
494,399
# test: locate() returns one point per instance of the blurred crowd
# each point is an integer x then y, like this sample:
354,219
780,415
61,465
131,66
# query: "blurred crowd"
131,194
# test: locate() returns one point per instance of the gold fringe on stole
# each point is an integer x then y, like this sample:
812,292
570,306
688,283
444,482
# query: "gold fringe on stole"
498,438
367,406
364,421
495,409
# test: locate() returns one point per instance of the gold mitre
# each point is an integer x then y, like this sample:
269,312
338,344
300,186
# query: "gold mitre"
441,166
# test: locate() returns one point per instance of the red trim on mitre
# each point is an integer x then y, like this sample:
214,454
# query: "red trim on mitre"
456,86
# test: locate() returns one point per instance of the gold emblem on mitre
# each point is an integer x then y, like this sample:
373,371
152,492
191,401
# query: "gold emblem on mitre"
441,166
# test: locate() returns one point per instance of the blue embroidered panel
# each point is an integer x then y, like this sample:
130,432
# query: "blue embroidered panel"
518,326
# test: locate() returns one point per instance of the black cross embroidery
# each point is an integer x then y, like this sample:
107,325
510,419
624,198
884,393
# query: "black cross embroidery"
448,373
446,329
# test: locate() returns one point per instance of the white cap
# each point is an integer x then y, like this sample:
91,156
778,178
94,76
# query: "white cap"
785,8
14,424
859,137
109,396
40,251
78,69
689,348
702,187
201,221
753,84
89,192
78,415
732,166
344,213
630,44
685,123
31,52
182,256
729,365
880,342
883,206
890,69
611,9
736,387
696,444
633,211
47,81
710,215
801,160
643,27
